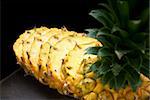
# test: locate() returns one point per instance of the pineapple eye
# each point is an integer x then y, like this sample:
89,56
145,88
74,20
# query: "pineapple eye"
30,62
50,73
22,59
27,42
50,47
39,33
63,62
69,67
39,39
45,73
78,46
48,57
41,46
72,35
73,78
68,74
56,37
55,48
28,32
89,57
22,42
46,65
28,55
40,67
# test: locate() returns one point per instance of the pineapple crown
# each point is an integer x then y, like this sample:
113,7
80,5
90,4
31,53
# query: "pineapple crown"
125,39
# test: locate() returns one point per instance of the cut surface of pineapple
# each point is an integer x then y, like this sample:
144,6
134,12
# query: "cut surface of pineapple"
56,57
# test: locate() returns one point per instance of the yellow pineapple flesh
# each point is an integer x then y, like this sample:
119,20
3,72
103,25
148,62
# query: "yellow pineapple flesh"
56,57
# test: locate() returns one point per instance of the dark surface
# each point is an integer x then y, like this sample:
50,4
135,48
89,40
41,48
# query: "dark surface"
20,15
20,87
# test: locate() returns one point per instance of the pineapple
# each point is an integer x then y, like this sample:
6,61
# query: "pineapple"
108,63
58,58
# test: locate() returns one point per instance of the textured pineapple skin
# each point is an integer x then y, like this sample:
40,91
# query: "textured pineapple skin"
56,57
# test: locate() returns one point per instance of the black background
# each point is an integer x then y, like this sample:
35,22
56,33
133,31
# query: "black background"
17,16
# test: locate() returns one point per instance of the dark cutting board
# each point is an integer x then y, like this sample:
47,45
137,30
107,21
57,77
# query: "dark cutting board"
20,87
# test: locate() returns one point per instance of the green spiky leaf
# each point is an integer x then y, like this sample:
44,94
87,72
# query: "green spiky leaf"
123,10
133,77
104,51
103,17
133,25
92,32
92,50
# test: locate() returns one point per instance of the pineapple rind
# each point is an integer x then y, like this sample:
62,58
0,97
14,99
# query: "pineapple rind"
56,57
